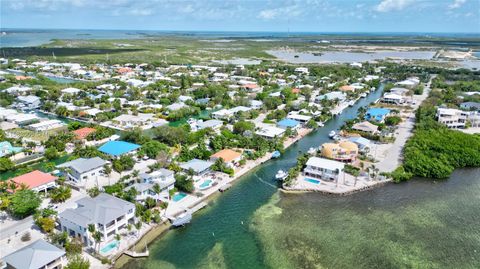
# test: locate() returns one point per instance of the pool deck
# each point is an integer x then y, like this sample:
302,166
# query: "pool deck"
345,185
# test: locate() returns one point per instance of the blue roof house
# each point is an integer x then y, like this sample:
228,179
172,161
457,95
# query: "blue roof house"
6,149
118,148
376,114
288,123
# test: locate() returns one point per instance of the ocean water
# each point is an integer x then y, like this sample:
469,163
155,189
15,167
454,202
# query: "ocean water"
35,37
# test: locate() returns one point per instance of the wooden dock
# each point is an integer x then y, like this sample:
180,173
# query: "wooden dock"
134,254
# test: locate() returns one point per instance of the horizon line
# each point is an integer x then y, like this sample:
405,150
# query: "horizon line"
246,31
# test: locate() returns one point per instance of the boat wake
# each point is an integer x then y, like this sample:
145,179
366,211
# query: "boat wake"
267,183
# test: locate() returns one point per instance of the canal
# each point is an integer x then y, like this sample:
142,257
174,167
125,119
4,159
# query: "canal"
228,218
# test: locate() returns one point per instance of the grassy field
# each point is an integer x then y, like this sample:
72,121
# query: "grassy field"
195,50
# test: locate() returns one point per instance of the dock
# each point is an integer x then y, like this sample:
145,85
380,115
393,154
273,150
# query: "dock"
197,207
225,187
135,254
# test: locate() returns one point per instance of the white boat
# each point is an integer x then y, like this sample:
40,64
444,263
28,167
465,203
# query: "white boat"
281,175
312,151
336,138
363,95
351,103
332,134
182,219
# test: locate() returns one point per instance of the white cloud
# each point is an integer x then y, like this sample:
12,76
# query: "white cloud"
285,12
393,5
456,4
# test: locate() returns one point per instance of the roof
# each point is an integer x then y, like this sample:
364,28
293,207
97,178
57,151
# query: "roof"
196,165
34,179
34,256
376,113
361,141
209,124
269,131
227,155
365,126
7,147
288,123
325,163
348,145
102,209
117,148
82,165
140,187
82,133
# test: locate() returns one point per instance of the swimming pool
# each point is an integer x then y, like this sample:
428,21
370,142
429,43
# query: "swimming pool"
205,184
110,246
311,180
178,196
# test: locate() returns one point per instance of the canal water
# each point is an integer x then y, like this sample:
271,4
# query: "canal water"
419,224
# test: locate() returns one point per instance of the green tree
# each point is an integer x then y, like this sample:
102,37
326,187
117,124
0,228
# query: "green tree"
60,194
6,164
152,148
24,203
78,262
51,153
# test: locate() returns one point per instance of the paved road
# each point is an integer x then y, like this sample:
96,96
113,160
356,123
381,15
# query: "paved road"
394,155
20,226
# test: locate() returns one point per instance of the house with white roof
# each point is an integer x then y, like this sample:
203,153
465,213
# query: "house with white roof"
323,168
46,125
39,254
110,216
452,118
269,131
82,170
71,90
392,98
29,102
127,121
299,117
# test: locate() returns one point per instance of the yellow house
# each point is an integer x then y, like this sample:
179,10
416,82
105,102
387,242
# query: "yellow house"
344,151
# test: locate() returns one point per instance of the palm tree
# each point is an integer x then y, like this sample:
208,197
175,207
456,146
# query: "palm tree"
97,236
138,226
91,230
156,189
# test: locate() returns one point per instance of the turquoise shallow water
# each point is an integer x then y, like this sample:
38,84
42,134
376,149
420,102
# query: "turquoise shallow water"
419,224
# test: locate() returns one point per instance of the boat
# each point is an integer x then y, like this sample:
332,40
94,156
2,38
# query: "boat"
363,95
312,151
281,175
182,219
276,154
351,103
336,138
332,134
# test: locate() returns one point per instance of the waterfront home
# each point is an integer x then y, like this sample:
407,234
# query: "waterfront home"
81,170
303,119
39,254
399,91
36,180
302,70
347,88
472,106
222,114
127,121
366,127
345,151
230,157
409,82
164,178
392,98
110,215
46,125
197,166
119,148
269,131
176,106
376,114
331,96
82,133
321,168
146,190
362,143
6,149
22,118
452,118
28,102
213,124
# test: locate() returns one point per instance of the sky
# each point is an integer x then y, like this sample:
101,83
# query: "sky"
246,15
